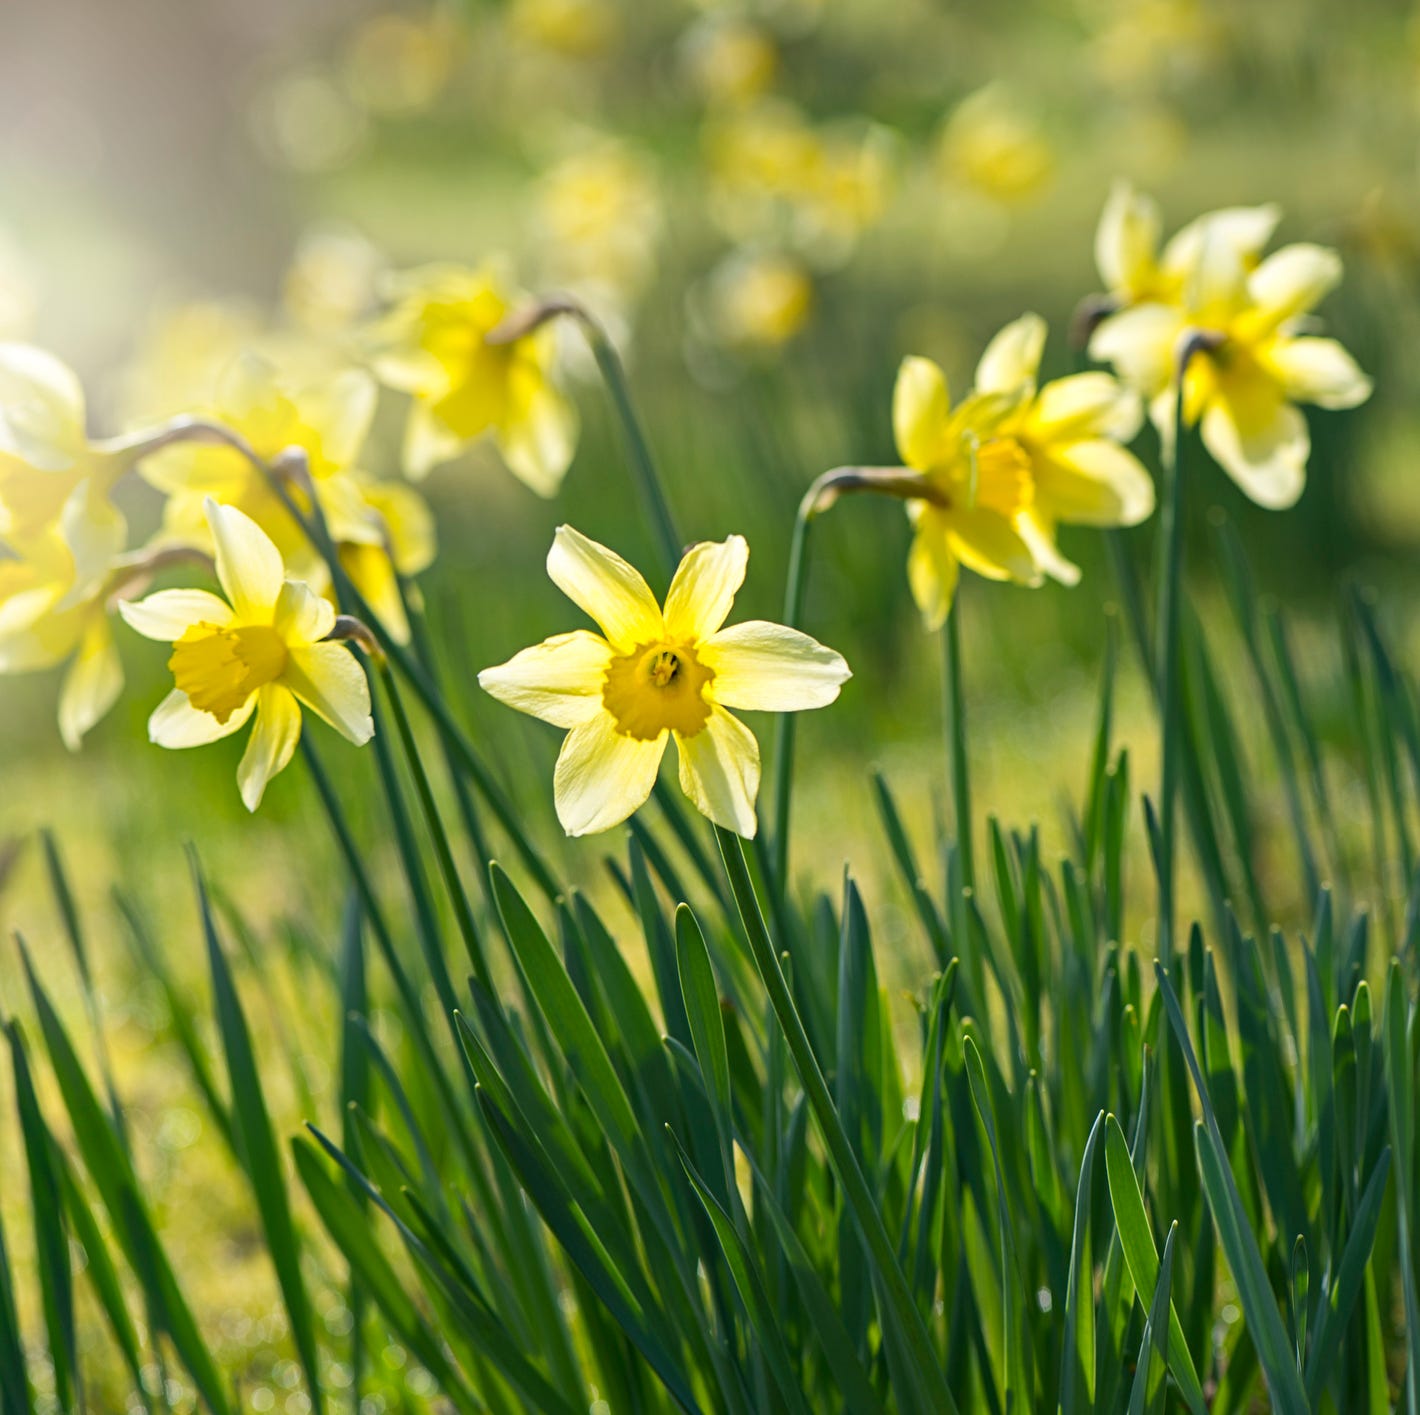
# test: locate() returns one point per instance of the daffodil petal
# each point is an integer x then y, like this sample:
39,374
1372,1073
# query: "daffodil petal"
920,405
559,680
1095,482
719,771
248,563
986,542
427,442
1081,405
330,681
1318,371
601,584
408,524
539,445
92,683
1263,449
302,616
1245,228
704,588
1141,344
1127,240
340,410
1038,532
272,743
167,615
1293,280
176,724
766,667
41,408
603,776
1012,358
932,569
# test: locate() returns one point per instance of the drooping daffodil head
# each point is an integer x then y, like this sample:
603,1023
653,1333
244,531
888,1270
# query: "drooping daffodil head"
656,673
1242,328
434,345
260,650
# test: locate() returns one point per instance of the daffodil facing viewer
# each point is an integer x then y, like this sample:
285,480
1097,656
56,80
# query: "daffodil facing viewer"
1240,324
657,672
264,650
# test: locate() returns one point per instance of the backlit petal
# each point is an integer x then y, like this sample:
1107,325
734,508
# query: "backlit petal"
1262,447
920,404
328,678
248,563
1038,532
1141,344
1318,371
1095,483
427,442
92,683
539,445
1086,405
41,408
169,614
986,542
1246,228
1012,358
559,680
340,411
1127,241
601,584
719,771
932,569
272,742
1293,281
704,588
302,616
603,776
771,668
176,723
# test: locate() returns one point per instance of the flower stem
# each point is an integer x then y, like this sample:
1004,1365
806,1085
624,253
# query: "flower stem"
894,1291
955,707
1169,664
784,727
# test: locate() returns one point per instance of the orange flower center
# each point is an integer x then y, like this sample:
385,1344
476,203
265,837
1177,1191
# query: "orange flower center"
219,669
655,688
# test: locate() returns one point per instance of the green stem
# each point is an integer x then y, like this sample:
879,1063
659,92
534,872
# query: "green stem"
857,1192
784,728
1169,665
956,742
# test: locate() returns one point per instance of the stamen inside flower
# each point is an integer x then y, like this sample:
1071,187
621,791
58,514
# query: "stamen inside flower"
219,669
655,688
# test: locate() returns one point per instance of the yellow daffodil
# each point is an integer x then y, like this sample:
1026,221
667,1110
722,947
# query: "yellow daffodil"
1251,361
377,527
655,673
434,345
1070,433
264,650
994,147
759,299
977,484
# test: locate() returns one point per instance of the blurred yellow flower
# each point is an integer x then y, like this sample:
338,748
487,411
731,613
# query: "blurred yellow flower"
759,298
1251,360
660,673
400,63
577,29
1070,431
434,345
977,482
328,421
730,59
331,281
992,146
264,650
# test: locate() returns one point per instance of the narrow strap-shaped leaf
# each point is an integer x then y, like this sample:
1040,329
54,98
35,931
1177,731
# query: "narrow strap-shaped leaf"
1153,1348
1077,1349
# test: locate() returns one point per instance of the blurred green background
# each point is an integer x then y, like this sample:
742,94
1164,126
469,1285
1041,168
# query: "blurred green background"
171,170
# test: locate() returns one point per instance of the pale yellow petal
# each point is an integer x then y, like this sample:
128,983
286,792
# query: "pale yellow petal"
1292,281
272,743
539,444
1142,345
1086,405
372,573
986,542
1095,483
95,531
719,771
340,412
1263,447
1217,285
92,683
767,667
932,569
427,442
177,724
559,680
1012,358
704,588
1127,241
302,616
408,524
1038,532
608,590
41,408
1246,228
328,678
248,563
167,615
1318,371
920,405
602,776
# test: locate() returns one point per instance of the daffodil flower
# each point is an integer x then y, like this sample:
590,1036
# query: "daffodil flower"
656,673
434,345
1251,361
976,484
378,527
263,651
1070,432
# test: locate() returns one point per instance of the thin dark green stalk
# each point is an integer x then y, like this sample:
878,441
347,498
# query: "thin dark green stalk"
1169,666
956,742
855,1186
784,728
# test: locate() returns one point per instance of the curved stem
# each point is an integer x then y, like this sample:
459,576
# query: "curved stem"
952,701
784,728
